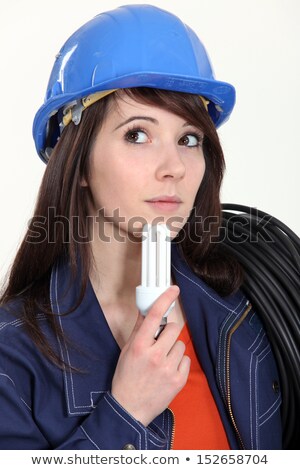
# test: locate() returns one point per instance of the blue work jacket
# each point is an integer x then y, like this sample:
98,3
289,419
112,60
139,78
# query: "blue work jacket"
44,407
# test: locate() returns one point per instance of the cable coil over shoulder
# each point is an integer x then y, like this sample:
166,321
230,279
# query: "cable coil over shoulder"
270,255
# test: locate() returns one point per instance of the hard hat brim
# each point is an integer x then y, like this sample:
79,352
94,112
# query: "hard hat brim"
222,94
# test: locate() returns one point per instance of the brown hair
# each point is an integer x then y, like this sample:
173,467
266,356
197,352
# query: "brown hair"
61,189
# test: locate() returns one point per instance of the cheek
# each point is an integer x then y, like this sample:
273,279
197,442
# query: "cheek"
111,183
100,182
195,176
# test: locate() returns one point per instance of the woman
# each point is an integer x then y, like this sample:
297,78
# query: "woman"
128,131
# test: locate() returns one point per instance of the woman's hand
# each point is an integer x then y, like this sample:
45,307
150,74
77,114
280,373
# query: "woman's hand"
150,372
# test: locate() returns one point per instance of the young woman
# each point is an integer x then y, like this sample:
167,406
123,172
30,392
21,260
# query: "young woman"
128,131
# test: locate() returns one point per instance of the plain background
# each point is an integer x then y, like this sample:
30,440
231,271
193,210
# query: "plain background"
253,44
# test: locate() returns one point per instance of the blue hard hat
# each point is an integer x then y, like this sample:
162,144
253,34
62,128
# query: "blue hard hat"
131,46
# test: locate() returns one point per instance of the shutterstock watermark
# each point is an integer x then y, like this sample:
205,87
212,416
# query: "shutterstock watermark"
236,229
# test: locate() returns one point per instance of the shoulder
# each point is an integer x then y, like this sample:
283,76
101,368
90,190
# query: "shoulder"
12,320
21,363
17,349
231,313
194,286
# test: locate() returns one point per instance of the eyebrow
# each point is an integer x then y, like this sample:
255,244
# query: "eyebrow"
134,118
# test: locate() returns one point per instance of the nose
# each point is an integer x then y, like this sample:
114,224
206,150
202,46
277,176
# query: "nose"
170,163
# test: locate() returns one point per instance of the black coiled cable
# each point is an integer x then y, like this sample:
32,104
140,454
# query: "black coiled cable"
270,255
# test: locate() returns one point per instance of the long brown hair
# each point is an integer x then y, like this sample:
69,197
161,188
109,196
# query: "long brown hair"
61,190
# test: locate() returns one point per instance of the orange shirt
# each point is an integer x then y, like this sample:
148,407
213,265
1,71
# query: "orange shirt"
197,421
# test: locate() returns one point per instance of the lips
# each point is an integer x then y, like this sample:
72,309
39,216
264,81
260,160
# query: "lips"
165,203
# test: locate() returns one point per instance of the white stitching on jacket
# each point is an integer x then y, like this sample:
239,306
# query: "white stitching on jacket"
277,403
255,387
22,399
89,438
259,358
69,377
19,322
151,428
131,425
228,326
205,291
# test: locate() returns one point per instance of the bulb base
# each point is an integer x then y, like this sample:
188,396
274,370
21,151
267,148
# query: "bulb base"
146,296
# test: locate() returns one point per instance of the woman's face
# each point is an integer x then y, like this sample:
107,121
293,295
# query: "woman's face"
146,166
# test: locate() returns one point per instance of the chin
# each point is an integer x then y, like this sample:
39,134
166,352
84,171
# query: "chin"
173,225
133,227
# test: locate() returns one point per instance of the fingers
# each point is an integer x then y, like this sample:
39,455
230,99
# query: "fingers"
176,353
168,336
152,320
184,367
180,362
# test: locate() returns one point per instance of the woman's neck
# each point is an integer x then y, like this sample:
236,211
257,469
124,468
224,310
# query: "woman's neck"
116,268
115,273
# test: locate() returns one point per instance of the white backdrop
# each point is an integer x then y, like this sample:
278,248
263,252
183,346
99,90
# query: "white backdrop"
253,44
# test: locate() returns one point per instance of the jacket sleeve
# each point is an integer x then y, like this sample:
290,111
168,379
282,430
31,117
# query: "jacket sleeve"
107,427
17,428
110,427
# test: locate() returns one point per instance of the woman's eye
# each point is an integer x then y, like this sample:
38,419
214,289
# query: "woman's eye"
190,140
136,136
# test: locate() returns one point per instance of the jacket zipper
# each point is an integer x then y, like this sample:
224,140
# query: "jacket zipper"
228,389
173,429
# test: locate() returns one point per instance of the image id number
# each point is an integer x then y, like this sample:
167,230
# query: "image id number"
216,459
